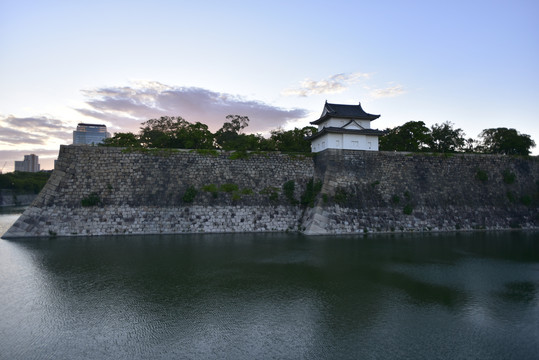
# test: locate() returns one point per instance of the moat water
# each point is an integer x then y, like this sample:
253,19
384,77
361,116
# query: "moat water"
259,296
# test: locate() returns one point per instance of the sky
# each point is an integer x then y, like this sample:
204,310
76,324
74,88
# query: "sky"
473,63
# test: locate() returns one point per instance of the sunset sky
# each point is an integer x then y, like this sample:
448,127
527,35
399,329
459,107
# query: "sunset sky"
119,63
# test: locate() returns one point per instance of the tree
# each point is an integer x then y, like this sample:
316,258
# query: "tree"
470,146
193,136
122,140
505,141
175,132
236,124
411,136
161,133
165,124
293,140
228,137
444,138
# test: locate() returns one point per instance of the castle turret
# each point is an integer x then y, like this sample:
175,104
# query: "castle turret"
345,127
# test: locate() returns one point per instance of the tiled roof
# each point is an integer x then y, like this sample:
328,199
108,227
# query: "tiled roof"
336,130
344,111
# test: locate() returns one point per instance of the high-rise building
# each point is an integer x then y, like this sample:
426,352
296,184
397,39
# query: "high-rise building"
89,134
29,164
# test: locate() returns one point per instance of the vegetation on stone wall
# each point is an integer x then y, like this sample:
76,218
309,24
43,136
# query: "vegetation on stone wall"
211,152
481,175
508,177
24,182
340,196
189,194
288,191
311,191
90,200
212,189
272,192
407,210
526,200
228,187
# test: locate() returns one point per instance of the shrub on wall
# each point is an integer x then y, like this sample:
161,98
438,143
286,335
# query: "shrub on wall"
481,175
408,209
229,187
288,191
211,188
272,191
189,195
91,200
239,154
526,200
508,177
340,196
311,190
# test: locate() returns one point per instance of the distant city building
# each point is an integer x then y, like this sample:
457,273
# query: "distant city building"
90,134
29,164
345,127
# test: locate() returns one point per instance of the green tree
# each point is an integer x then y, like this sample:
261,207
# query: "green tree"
161,133
470,145
411,136
292,140
24,182
175,132
122,140
505,141
155,139
229,136
165,124
444,138
193,136
237,123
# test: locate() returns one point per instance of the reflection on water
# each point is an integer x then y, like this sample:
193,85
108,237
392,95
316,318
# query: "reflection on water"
271,296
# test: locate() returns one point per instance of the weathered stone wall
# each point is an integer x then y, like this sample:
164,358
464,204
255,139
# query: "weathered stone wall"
362,191
145,193
389,191
161,177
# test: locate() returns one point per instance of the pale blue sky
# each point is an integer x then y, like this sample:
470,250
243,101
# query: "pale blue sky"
474,63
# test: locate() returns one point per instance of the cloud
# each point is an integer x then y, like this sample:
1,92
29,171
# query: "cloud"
39,130
125,108
388,92
334,84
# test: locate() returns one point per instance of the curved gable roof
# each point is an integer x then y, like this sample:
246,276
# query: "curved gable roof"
344,112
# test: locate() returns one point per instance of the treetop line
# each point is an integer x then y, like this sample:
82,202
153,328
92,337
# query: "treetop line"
413,136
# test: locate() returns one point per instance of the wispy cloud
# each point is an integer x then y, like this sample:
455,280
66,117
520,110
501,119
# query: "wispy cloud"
125,108
33,130
388,92
334,84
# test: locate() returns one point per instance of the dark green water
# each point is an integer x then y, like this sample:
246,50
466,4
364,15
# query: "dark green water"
258,296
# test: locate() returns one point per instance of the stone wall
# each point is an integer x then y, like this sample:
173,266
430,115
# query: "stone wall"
165,191
390,191
147,192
